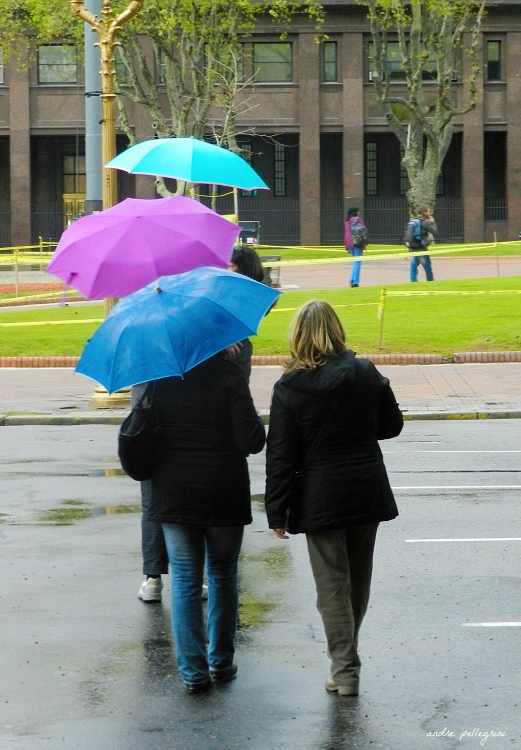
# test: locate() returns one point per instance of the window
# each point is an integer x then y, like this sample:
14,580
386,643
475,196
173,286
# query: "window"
2,78
119,66
57,64
371,168
246,153
330,62
493,61
73,172
280,171
272,63
394,64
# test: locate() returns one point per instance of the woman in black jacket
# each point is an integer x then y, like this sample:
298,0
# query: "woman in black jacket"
201,496
328,412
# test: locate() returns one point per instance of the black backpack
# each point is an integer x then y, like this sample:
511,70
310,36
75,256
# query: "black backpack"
358,233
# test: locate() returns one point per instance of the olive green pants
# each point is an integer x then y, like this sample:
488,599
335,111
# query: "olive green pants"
342,565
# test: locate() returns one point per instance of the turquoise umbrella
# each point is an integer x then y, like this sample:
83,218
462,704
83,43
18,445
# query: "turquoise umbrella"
189,159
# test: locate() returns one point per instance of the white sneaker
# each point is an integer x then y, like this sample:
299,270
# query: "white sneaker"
150,590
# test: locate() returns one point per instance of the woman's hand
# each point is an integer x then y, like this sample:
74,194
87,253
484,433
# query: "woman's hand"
281,533
233,350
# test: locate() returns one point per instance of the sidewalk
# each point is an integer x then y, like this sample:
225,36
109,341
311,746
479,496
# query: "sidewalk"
450,391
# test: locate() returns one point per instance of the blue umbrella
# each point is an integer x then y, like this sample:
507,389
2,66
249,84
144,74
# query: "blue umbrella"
189,159
174,324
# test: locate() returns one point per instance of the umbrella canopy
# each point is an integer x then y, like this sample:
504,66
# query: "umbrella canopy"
173,325
120,250
189,159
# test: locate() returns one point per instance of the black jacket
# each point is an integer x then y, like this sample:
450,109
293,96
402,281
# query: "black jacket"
346,482
209,425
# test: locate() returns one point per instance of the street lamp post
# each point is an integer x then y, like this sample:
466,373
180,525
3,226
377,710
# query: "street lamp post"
107,28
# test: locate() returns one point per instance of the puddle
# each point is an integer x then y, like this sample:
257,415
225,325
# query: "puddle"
254,611
113,510
77,510
275,561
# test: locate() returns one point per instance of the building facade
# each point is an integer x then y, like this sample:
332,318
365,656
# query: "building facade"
311,127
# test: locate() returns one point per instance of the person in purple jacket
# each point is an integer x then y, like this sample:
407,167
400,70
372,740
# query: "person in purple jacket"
355,241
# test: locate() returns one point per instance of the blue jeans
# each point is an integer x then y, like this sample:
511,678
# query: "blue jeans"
425,260
355,273
188,547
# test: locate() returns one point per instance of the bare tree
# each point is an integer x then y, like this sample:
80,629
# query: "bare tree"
431,37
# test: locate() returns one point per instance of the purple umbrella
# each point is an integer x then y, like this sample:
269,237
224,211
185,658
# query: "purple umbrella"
126,247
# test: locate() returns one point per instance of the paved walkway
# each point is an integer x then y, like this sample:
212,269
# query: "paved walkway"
422,390
381,272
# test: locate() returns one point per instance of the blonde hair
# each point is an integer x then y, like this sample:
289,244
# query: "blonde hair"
316,333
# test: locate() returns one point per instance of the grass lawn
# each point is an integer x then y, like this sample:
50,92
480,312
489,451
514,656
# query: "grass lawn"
45,340
430,324
415,324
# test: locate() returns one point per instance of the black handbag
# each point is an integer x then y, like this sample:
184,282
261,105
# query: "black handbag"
139,441
298,482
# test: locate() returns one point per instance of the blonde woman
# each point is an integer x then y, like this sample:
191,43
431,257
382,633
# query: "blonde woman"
328,412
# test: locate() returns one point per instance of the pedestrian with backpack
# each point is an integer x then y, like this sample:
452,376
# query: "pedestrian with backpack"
355,241
421,231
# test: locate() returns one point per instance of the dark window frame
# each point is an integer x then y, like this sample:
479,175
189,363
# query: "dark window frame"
77,173
279,171
371,168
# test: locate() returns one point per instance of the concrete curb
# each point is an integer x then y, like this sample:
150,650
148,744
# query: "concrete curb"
279,360
20,420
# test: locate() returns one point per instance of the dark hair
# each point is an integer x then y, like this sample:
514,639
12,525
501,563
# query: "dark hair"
352,211
248,263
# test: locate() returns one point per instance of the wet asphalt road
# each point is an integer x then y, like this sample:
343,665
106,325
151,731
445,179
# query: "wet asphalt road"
85,666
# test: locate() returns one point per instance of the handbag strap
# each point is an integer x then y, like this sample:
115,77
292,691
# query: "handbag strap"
321,434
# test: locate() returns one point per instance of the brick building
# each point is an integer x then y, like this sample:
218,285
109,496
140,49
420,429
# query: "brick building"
315,134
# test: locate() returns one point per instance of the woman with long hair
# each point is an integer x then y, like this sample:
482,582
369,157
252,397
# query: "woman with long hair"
328,412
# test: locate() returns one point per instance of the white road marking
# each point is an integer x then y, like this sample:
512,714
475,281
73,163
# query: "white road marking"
437,451
476,539
491,624
459,486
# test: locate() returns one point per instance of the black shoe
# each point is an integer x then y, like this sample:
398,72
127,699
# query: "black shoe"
223,675
198,687
354,286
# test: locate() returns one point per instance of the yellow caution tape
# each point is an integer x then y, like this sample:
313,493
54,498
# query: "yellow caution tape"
463,293
52,322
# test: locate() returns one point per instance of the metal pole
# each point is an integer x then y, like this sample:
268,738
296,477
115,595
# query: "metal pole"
93,159
497,259
16,279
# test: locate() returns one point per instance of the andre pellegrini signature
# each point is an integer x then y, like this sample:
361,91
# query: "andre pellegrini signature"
477,733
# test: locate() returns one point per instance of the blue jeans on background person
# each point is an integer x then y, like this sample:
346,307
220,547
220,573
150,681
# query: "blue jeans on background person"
357,265
425,260
188,546
153,547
